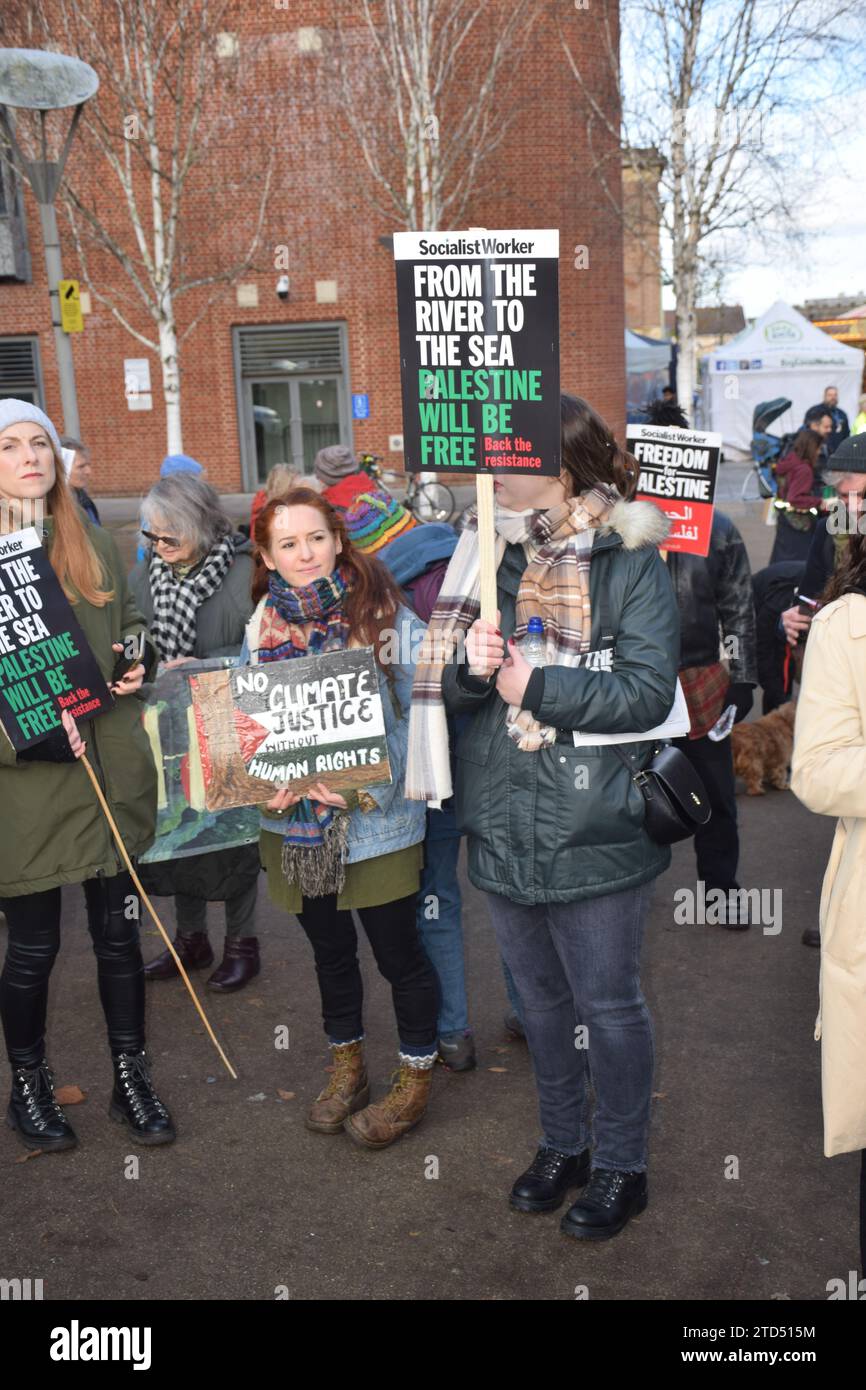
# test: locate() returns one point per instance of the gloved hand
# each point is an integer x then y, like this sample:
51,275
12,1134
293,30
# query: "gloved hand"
55,748
743,696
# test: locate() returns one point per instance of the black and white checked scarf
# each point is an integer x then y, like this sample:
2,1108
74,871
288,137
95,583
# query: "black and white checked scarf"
176,601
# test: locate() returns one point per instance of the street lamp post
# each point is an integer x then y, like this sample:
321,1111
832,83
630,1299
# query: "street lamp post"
34,80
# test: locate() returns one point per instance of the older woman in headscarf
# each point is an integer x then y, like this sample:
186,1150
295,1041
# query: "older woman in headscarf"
195,586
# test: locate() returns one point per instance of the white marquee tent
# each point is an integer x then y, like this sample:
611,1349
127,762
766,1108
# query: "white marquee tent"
782,354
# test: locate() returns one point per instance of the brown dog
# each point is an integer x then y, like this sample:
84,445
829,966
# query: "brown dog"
762,750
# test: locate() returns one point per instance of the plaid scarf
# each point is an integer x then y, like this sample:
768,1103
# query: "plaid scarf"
555,587
314,844
176,601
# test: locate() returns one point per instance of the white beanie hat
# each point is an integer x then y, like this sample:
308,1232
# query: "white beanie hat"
12,412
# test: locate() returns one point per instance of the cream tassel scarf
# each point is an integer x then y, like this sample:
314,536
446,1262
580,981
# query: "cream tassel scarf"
554,587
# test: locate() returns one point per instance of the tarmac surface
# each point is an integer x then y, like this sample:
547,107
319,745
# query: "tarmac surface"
248,1204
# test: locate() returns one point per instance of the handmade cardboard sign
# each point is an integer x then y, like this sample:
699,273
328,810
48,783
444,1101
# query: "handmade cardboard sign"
479,350
46,665
290,723
678,473
184,825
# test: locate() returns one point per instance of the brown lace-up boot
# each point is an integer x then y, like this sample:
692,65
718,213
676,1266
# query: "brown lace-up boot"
347,1090
401,1110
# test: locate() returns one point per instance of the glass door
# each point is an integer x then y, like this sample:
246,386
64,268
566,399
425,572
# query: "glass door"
271,410
290,420
318,414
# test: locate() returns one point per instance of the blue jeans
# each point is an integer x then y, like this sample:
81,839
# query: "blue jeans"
442,930
576,966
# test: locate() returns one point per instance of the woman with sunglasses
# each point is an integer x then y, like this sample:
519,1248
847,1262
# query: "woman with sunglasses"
194,590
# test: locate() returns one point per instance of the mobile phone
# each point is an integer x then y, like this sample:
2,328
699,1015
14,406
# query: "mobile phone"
133,651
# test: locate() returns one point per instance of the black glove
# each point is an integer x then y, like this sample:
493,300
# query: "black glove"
741,695
53,749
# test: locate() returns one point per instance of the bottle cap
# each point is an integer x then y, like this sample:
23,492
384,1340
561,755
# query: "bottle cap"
535,626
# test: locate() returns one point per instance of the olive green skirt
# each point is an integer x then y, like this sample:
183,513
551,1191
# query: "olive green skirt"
368,884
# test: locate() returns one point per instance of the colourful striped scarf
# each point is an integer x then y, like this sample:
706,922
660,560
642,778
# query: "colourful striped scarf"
315,840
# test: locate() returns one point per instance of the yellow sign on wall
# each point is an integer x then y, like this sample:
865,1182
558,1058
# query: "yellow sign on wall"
71,318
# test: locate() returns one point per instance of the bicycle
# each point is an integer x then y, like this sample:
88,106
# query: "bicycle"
426,501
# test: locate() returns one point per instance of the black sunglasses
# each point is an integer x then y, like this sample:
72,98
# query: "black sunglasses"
171,541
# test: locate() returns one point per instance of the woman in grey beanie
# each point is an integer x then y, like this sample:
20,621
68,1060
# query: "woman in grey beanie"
55,832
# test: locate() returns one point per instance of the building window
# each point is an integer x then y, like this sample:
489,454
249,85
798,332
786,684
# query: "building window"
14,253
20,372
293,395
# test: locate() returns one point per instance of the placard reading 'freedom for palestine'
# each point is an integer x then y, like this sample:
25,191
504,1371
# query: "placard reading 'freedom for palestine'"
479,350
298,722
46,665
678,472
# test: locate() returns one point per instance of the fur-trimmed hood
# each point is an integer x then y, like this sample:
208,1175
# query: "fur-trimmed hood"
638,523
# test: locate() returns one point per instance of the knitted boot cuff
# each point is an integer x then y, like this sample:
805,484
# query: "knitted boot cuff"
422,1063
347,1042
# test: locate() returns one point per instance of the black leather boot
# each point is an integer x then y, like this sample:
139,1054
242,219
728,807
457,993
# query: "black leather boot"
35,1114
195,953
239,965
609,1202
547,1179
135,1103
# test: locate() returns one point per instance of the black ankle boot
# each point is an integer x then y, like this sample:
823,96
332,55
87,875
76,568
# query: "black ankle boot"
609,1202
547,1179
34,1112
194,950
135,1103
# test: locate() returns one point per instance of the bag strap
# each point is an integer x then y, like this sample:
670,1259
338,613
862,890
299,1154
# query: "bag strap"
608,635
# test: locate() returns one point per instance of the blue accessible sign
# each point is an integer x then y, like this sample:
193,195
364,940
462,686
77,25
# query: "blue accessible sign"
360,406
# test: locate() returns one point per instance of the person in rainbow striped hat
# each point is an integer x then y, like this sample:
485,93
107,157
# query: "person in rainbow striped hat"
375,519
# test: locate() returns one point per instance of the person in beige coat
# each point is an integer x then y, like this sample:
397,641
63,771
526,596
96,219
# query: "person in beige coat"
829,776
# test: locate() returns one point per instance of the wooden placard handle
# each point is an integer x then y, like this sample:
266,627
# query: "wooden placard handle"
152,910
486,546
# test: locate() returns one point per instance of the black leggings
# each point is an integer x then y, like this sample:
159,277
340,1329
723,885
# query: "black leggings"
34,940
400,956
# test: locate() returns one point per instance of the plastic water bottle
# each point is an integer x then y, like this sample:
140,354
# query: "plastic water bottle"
533,646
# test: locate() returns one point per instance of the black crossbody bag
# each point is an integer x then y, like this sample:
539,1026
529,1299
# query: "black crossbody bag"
674,796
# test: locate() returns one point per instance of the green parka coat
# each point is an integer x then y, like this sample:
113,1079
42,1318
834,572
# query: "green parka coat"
565,823
54,830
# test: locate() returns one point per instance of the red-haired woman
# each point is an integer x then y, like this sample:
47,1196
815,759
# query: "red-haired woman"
56,832
327,854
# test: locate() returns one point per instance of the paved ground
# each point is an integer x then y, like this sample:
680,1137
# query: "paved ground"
248,1202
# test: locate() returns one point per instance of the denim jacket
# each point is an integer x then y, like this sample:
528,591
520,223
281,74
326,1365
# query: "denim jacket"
396,823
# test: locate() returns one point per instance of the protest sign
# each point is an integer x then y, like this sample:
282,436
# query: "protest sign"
678,473
184,826
290,723
46,665
478,316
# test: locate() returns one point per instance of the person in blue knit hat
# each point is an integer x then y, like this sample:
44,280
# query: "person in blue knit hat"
179,463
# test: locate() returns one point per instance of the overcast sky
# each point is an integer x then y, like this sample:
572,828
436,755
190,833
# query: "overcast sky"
824,145
833,261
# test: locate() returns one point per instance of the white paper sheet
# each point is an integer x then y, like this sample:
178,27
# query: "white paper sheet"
676,725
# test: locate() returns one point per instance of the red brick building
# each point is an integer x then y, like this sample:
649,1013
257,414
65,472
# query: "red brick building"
266,379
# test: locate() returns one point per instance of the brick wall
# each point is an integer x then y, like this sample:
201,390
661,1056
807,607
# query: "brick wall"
541,176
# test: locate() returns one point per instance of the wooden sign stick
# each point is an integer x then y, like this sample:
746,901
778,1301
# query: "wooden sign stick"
486,545
152,910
